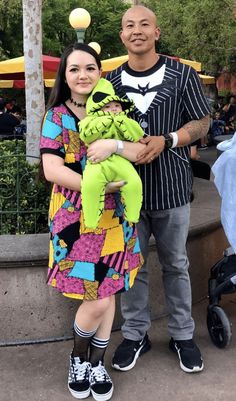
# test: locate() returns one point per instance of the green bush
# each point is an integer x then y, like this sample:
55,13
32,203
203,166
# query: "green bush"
24,198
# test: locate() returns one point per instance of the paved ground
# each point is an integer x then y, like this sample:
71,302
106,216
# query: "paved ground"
39,372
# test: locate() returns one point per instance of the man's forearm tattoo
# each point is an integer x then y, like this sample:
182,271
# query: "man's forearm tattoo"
197,128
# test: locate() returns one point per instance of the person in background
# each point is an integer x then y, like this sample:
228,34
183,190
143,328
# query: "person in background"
171,108
229,110
91,265
20,129
218,125
10,105
8,122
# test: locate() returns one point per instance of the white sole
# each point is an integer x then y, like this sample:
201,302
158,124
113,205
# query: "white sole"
126,368
195,369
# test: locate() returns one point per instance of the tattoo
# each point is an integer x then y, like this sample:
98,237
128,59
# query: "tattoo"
197,128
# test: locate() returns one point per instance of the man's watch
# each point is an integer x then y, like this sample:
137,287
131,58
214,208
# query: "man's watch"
168,141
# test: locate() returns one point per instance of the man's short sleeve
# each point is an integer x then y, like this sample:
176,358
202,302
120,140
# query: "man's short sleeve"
195,102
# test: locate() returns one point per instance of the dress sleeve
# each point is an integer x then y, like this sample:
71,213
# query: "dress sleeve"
195,103
51,140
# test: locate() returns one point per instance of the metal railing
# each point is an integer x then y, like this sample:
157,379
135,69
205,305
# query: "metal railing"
24,198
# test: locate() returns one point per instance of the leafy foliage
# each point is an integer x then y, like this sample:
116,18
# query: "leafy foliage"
24,198
199,30
11,37
104,27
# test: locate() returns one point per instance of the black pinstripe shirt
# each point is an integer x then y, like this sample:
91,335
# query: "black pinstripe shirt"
166,97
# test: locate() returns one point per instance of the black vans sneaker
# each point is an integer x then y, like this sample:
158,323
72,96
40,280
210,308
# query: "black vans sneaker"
100,383
78,379
128,351
189,355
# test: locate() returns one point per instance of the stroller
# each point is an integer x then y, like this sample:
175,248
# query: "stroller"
223,273
222,281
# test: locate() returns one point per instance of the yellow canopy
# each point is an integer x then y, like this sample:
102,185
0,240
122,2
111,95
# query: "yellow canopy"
195,64
5,83
207,79
12,66
16,66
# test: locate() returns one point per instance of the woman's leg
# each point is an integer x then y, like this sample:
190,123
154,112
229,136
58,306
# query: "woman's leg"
92,317
100,341
100,382
88,319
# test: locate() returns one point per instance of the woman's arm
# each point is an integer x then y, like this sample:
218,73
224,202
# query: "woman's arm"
103,148
56,172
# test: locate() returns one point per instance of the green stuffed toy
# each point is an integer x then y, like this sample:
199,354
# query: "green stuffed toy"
100,124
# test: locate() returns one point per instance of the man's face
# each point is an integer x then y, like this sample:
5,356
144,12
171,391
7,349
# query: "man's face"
139,31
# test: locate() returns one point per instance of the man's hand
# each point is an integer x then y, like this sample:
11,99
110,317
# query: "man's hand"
154,146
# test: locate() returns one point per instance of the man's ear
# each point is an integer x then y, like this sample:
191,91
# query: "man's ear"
157,33
121,33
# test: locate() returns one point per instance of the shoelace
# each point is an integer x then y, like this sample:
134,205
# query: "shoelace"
81,369
99,374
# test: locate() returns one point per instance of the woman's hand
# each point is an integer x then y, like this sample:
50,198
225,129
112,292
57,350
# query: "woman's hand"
101,149
114,186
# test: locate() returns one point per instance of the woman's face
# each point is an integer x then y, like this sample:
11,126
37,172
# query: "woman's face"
82,73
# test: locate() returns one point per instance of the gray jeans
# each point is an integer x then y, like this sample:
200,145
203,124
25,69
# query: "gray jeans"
170,230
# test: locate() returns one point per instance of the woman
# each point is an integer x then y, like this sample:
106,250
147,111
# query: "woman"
87,264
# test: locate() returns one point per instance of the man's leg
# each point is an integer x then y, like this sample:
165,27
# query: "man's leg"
170,228
135,309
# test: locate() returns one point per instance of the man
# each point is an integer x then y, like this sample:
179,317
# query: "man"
173,112
8,122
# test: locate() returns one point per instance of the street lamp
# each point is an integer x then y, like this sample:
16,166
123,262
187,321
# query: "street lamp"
95,46
80,19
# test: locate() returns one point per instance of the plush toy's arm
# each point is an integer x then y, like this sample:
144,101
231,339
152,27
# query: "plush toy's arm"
93,127
127,128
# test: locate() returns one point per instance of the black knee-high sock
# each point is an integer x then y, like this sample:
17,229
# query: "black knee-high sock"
81,342
98,348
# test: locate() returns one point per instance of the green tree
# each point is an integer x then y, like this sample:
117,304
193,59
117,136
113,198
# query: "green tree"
11,37
199,30
104,27
57,32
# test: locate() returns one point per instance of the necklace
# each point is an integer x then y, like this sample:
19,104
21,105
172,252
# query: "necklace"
77,104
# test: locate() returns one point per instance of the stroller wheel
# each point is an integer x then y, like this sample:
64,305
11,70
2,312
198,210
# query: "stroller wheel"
218,326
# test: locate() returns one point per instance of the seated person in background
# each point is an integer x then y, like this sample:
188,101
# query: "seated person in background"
107,119
229,110
8,122
20,129
217,127
10,105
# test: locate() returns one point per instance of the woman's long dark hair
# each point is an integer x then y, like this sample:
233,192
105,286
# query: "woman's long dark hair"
60,91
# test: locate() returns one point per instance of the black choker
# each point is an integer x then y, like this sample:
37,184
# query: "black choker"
77,104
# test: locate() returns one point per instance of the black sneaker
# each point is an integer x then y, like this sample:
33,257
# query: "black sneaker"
100,383
78,379
128,351
189,355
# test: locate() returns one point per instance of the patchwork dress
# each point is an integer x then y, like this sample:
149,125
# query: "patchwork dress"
85,263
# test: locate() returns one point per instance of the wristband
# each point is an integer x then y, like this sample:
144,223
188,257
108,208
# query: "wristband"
175,139
120,147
